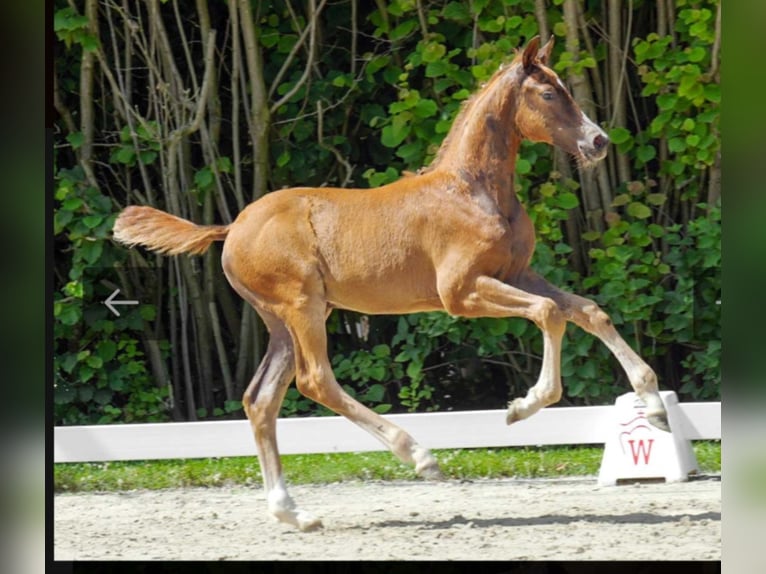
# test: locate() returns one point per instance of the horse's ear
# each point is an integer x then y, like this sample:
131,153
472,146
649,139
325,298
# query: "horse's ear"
544,55
530,53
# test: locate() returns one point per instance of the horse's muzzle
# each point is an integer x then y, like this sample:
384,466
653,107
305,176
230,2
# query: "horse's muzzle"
593,148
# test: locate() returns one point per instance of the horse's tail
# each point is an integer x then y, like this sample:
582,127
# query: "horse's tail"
165,233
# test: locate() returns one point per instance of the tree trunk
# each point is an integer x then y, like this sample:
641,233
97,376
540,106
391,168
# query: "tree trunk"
617,79
259,120
583,94
87,119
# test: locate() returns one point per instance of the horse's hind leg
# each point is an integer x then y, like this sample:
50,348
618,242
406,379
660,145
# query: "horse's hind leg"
587,315
262,401
315,380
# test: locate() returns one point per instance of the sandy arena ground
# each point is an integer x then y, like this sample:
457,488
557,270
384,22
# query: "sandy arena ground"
511,519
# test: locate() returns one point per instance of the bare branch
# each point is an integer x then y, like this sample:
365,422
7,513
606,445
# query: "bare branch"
422,19
320,138
312,25
541,15
716,49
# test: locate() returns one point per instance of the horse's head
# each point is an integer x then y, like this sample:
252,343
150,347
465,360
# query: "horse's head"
546,111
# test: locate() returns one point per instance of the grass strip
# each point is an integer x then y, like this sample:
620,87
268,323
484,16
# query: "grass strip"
523,462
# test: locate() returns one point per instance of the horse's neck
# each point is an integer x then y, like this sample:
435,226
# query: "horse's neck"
485,148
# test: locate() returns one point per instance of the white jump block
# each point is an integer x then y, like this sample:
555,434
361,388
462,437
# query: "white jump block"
636,450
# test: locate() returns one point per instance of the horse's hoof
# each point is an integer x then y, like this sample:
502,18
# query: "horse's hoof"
300,519
660,421
309,524
513,414
431,472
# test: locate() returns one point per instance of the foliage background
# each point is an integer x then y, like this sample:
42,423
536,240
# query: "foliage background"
200,107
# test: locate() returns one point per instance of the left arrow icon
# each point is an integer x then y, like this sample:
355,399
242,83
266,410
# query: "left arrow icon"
110,302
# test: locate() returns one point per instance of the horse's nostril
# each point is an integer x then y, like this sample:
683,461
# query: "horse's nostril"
600,141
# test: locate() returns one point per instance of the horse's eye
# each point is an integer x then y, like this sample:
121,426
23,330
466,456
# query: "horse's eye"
548,95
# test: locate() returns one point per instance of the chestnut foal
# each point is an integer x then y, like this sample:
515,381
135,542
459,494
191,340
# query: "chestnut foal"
452,237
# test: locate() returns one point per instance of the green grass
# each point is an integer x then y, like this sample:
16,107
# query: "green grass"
323,468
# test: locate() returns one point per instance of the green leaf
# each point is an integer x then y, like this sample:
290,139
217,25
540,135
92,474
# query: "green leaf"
393,135
224,164
591,235
92,221
85,393
283,159
68,362
516,327
269,38
375,393
437,69
666,101
713,93
147,157
403,29
203,179
523,166
457,11
676,145
72,203
67,19
381,351
414,370
148,312
89,42
106,350
567,200
124,155
433,52
425,108
619,135
91,251
646,153
621,199
639,210
339,81
232,406
696,54
60,220
69,314
64,395
75,139
377,373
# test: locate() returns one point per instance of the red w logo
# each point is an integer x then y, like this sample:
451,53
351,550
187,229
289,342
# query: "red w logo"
641,449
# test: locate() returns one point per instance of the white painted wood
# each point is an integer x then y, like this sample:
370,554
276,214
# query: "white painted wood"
468,429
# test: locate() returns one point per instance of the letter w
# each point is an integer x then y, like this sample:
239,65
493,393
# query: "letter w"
641,450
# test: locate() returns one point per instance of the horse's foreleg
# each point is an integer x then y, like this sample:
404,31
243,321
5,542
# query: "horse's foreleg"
262,401
490,297
315,380
586,314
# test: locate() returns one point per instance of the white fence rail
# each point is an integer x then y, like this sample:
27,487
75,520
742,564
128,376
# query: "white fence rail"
468,429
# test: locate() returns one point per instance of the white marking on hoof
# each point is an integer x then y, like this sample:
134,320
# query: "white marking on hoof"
659,420
516,411
425,464
283,508
304,521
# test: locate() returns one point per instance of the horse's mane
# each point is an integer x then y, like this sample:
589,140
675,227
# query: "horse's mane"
463,113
